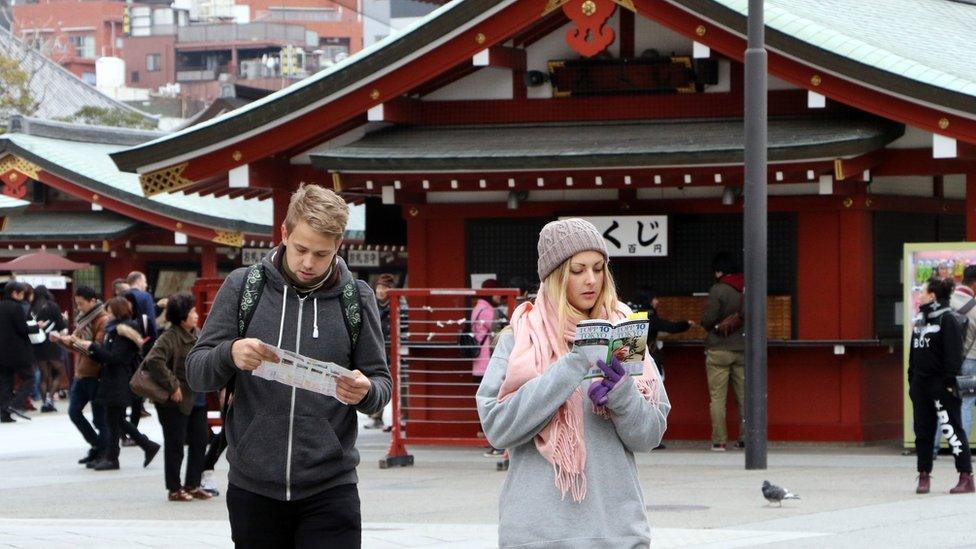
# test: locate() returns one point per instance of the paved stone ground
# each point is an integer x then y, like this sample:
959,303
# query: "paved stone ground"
852,497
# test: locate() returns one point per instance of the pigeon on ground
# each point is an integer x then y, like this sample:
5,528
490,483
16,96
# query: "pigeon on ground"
774,493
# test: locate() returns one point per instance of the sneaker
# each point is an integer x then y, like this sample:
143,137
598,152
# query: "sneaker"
740,445
718,447
208,485
376,424
180,495
151,452
6,418
48,407
63,394
493,453
106,465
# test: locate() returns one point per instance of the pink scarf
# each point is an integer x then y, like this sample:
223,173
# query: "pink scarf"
536,349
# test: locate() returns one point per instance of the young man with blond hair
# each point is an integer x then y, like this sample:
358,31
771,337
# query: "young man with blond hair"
292,452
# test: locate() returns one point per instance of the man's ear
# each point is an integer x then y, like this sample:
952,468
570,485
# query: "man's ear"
284,234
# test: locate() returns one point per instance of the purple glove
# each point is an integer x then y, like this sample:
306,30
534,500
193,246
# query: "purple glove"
598,393
612,373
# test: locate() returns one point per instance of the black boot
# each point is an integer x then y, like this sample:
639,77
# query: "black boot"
151,449
107,465
92,456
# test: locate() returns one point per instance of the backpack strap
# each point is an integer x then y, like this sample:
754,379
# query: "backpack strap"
249,297
247,303
964,310
352,311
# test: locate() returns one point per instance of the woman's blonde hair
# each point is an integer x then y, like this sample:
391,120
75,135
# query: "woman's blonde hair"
324,211
555,287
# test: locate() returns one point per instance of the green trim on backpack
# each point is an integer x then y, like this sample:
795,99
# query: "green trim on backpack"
352,311
249,298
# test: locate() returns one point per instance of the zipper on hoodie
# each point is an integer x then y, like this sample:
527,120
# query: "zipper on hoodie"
291,415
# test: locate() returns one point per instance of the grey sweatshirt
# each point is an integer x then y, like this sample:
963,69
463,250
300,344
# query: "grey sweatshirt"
286,443
532,510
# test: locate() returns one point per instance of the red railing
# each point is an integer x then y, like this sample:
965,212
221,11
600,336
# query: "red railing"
433,385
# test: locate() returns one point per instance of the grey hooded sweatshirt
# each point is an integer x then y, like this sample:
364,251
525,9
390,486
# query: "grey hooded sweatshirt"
286,443
533,513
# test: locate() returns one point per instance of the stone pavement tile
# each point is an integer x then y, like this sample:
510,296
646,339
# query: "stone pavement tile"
722,537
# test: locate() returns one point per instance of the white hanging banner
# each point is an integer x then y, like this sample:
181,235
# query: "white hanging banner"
633,235
363,258
252,256
50,281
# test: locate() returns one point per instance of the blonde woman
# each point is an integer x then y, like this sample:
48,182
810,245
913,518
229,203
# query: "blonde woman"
572,480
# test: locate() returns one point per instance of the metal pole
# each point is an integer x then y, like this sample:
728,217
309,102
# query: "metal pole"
755,239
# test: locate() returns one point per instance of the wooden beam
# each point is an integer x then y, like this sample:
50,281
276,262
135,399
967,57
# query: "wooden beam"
626,33
971,206
853,168
501,57
582,109
920,162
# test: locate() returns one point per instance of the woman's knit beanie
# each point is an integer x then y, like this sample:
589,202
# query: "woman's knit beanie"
561,240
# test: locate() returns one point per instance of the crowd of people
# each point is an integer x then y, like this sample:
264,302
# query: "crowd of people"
92,367
570,439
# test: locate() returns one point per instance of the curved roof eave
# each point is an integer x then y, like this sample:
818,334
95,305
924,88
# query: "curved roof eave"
7,145
440,23
851,69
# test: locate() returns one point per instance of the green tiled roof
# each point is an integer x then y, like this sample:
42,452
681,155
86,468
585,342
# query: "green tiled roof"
929,41
69,226
560,146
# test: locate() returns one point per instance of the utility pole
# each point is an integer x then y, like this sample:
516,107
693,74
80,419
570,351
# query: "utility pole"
754,235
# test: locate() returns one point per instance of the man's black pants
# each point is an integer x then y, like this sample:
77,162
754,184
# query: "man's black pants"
330,519
935,404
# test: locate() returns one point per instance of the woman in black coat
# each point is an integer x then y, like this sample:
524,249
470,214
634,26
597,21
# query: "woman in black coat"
16,355
119,354
47,355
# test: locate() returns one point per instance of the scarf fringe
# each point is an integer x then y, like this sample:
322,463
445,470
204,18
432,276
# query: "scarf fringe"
569,449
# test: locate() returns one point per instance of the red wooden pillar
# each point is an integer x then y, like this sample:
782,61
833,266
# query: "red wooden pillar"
208,261
280,196
971,207
856,254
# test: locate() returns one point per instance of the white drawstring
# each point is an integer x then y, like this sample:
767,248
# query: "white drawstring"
315,319
284,303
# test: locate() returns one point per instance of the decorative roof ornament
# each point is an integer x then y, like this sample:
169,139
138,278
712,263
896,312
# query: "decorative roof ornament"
591,34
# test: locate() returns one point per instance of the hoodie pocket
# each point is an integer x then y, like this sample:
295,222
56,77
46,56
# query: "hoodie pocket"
316,451
262,448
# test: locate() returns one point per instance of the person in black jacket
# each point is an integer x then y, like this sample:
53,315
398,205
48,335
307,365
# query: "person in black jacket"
935,359
16,355
119,355
645,300
47,355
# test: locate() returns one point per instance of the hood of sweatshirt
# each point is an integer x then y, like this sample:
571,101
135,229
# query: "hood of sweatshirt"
736,280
